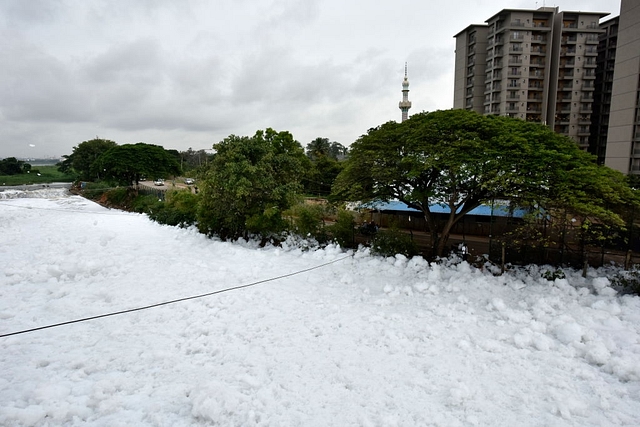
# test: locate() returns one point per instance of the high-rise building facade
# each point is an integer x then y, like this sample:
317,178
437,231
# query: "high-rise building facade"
623,133
539,65
603,87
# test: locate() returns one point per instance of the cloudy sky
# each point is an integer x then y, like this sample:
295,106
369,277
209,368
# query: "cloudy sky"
189,73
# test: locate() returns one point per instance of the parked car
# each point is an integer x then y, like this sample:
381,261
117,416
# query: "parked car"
189,181
158,182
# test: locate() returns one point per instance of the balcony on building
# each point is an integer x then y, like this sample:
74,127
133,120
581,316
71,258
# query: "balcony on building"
569,39
590,62
534,117
567,62
536,74
588,86
591,51
512,107
566,75
516,48
538,50
538,38
583,131
541,24
585,108
515,61
592,39
584,119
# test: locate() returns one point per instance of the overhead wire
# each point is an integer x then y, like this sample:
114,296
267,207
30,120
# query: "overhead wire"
131,310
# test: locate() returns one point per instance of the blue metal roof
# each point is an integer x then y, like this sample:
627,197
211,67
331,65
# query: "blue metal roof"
482,210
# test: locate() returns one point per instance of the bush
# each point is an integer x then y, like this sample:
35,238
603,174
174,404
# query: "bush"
179,208
147,204
343,230
121,197
391,242
308,220
627,282
94,190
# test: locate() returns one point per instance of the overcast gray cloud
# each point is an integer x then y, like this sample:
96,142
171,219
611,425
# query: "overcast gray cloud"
189,73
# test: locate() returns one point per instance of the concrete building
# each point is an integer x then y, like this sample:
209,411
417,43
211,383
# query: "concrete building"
623,134
471,56
603,86
405,104
539,65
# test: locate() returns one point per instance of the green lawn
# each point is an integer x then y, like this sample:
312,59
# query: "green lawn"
48,174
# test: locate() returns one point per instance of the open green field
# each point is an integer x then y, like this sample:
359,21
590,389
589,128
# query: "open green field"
48,174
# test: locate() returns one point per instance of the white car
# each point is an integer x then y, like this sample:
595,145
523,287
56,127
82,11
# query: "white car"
189,181
158,182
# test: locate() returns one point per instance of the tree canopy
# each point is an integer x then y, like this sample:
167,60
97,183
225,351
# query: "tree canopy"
83,156
249,182
127,163
13,166
322,147
461,159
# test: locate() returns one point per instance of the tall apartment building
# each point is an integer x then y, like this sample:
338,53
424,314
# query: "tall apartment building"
604,84
471,54
539,66
623,133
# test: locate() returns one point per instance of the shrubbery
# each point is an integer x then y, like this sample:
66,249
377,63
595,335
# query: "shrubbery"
393,241
343,230
627,282
308,221
179,208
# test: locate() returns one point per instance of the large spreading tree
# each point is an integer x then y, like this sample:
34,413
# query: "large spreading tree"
83,157
127,163
461,159
249,183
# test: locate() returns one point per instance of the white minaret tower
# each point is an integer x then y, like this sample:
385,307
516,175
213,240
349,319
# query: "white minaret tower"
405,104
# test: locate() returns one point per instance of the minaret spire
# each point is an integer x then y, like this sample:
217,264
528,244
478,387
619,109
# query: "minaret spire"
405,104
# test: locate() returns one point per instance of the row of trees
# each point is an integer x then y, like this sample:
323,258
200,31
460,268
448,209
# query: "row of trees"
13,166
103,159
455,158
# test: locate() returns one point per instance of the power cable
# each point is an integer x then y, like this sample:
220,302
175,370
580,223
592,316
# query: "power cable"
85,319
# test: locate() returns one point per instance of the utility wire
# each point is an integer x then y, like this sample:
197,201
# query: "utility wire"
85,319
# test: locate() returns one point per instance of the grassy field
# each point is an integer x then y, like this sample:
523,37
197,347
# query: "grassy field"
47,174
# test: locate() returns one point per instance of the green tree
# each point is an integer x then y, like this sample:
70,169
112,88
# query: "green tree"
82,158
322,147
249,183
13,166
461,159
321,176
127,163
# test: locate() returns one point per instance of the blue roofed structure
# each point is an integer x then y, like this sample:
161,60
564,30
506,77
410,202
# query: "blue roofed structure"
498,210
